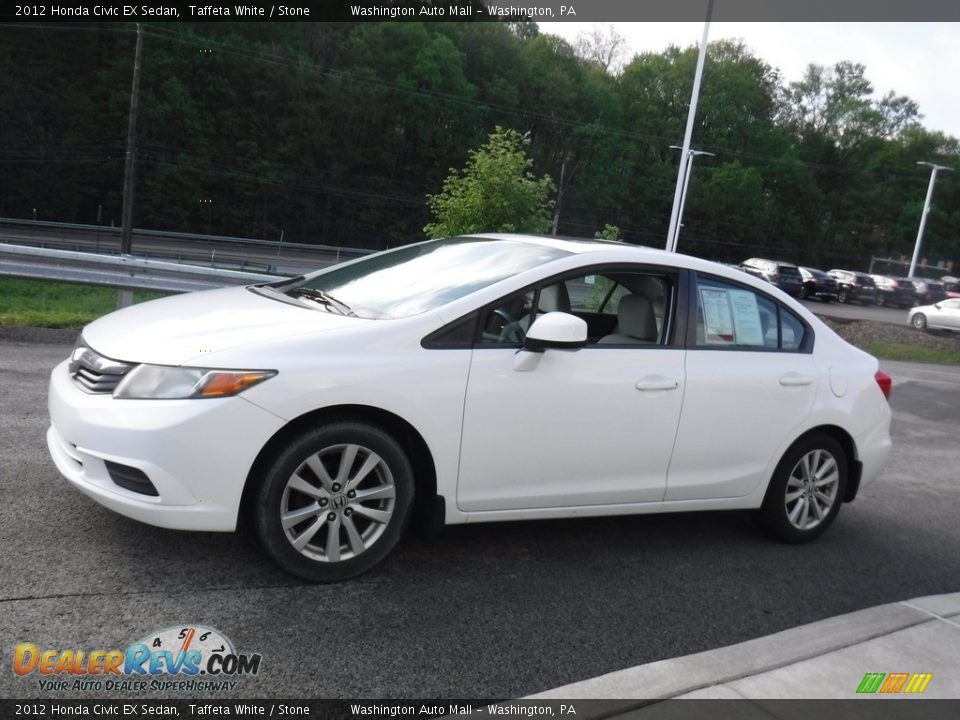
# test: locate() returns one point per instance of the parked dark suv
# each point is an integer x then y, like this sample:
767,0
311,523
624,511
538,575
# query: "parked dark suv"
951,286
817,284
894,291
784,275
928,291
854,286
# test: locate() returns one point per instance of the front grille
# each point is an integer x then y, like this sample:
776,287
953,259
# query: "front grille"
94,373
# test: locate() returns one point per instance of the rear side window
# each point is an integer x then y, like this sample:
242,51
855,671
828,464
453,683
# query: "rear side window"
729,316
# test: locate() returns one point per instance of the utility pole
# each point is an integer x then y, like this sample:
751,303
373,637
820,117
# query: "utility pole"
926,211
126,227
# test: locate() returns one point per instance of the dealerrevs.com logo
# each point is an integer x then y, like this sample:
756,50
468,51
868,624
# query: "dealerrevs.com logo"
184,658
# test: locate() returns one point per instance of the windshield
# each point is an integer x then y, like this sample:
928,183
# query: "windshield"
418,278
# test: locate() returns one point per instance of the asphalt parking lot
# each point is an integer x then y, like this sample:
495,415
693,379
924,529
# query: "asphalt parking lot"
487,611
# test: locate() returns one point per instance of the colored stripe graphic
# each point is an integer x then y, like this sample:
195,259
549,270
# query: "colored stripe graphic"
918,683
894,683
871,682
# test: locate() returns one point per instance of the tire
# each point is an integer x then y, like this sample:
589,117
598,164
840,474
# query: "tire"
843,296
806,491
347,478
804,293
919,321
881,300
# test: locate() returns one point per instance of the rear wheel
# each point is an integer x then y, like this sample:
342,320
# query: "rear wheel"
804,293
806,491
335,501
881,300
843,296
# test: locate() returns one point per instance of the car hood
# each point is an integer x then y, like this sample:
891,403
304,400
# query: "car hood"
183,328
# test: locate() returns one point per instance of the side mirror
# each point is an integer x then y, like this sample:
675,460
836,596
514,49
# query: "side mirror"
556,331
553,331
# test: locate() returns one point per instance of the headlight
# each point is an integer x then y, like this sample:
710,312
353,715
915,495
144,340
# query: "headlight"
160,382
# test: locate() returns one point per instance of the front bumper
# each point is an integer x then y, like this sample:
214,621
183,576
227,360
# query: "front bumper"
197,453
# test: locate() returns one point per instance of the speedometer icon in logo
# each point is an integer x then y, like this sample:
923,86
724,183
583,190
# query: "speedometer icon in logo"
197,642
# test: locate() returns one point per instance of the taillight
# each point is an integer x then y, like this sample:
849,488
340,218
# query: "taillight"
885,382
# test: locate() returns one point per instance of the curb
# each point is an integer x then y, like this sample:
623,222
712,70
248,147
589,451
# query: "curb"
672,678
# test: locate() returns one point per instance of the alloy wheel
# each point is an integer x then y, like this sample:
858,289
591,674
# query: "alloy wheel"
338,503
811,489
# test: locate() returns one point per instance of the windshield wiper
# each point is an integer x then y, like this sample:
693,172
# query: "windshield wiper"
326,299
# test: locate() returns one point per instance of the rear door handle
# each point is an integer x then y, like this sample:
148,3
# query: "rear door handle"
657,382
793,379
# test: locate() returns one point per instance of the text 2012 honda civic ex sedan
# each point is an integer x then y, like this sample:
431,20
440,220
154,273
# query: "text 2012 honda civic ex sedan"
462,380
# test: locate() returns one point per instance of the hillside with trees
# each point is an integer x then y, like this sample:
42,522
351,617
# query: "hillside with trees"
338,133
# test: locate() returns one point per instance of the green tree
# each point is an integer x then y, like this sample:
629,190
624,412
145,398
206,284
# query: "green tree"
609,232
496,191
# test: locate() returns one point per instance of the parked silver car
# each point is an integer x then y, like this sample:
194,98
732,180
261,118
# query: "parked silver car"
944,315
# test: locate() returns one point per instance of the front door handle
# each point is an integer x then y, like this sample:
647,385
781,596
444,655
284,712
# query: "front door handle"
793,379
657,382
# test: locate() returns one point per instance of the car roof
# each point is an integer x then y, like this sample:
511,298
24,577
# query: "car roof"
630,252
569,244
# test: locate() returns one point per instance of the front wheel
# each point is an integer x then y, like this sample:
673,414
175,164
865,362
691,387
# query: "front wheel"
881,300
843,296
335,501
806,490
919,321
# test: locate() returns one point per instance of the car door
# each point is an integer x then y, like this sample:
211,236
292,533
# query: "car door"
589,427
949,315
751,380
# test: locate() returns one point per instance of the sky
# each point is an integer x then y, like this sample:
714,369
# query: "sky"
919,60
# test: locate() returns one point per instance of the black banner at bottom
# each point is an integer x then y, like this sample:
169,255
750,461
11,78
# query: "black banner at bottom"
861,709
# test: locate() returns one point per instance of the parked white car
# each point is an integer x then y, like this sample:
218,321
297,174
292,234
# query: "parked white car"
468,379
944,315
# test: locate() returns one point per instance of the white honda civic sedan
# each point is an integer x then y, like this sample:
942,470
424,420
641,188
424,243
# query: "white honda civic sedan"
469,379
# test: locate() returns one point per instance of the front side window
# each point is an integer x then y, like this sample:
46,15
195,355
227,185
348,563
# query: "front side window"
507,323
729,316
620,308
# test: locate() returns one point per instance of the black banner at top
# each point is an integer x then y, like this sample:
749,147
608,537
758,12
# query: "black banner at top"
484,10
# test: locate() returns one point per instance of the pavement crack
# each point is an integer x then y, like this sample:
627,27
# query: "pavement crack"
932,614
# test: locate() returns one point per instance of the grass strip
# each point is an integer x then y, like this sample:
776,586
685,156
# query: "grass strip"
40,303
912,353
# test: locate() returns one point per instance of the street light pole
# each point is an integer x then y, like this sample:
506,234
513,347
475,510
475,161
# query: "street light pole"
926,211
688,134
688,171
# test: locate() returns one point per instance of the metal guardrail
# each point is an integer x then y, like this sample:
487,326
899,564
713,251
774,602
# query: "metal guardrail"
238,242
125,271
902,266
